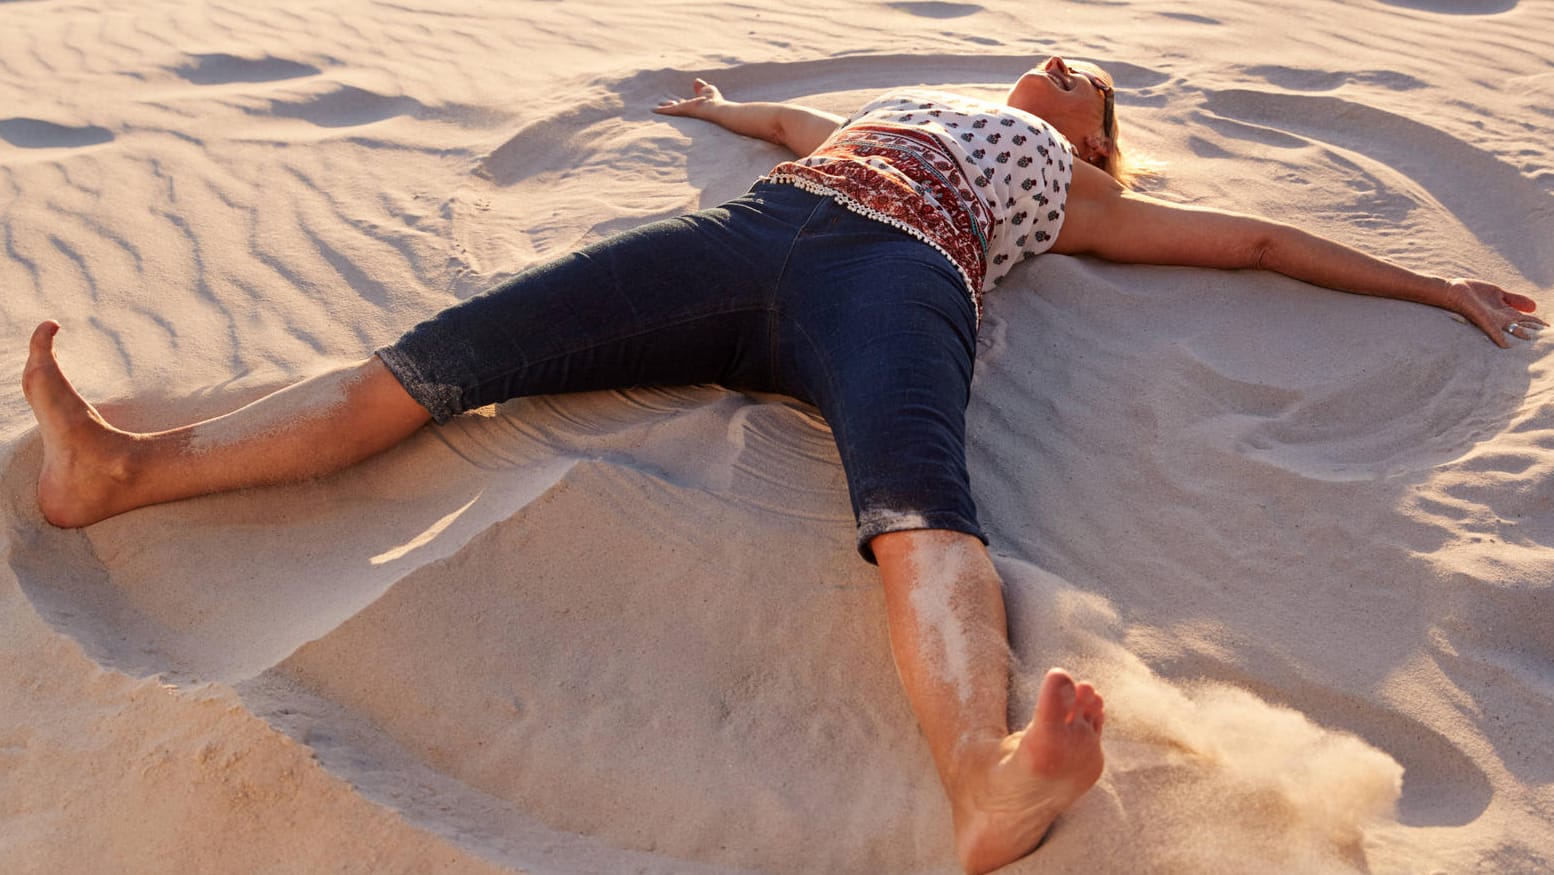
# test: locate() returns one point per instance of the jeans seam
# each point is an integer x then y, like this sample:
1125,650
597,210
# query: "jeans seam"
774,307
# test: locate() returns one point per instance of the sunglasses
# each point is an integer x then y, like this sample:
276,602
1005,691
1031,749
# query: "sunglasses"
1108,94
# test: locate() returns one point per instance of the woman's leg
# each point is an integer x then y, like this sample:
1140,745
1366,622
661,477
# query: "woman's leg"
92,470
883,340
681,301
945,609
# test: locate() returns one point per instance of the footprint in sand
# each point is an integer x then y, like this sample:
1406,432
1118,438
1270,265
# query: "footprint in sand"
224,69
338,107
346,106
1305,79
1457,7
934,9
1190,18
32,133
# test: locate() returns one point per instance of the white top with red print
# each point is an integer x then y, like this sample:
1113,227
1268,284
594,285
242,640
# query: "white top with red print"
982,182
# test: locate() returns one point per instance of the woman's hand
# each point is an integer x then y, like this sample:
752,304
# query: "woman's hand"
1496,312
799,128
707,95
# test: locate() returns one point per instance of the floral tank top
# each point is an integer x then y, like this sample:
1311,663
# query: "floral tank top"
982,182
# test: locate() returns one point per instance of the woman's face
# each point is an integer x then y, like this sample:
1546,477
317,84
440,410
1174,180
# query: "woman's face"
1068,97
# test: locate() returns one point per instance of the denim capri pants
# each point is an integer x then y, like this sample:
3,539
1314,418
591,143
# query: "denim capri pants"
780,291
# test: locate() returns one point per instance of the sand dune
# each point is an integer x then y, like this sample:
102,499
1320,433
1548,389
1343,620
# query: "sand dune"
1303,540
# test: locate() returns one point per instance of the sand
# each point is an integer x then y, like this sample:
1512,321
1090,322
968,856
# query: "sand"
1303,541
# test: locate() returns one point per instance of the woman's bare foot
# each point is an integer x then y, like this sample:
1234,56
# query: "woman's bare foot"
1009,792
85,460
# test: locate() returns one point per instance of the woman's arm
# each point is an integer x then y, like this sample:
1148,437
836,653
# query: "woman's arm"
1106,220
799,128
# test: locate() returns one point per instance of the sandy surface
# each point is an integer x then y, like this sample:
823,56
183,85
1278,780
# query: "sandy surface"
1305,541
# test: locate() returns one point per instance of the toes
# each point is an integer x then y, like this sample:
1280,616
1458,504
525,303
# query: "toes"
40,357
42,343
1088,705
1093,711
1085,698
40,349
1063,701
1058,697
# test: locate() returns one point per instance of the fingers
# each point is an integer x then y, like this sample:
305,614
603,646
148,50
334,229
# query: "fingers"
1489,323
1501,331
702,92
1500,314
1524,329
1493,328
677,106
1520,302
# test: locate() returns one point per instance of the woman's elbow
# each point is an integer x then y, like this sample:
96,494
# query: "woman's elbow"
1260,254
1262,251
778,135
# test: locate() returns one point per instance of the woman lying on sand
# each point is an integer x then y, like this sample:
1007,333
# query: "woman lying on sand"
850,278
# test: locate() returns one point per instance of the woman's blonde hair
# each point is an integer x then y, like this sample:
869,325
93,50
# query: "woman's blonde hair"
1128,169
1117,166
1120,165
